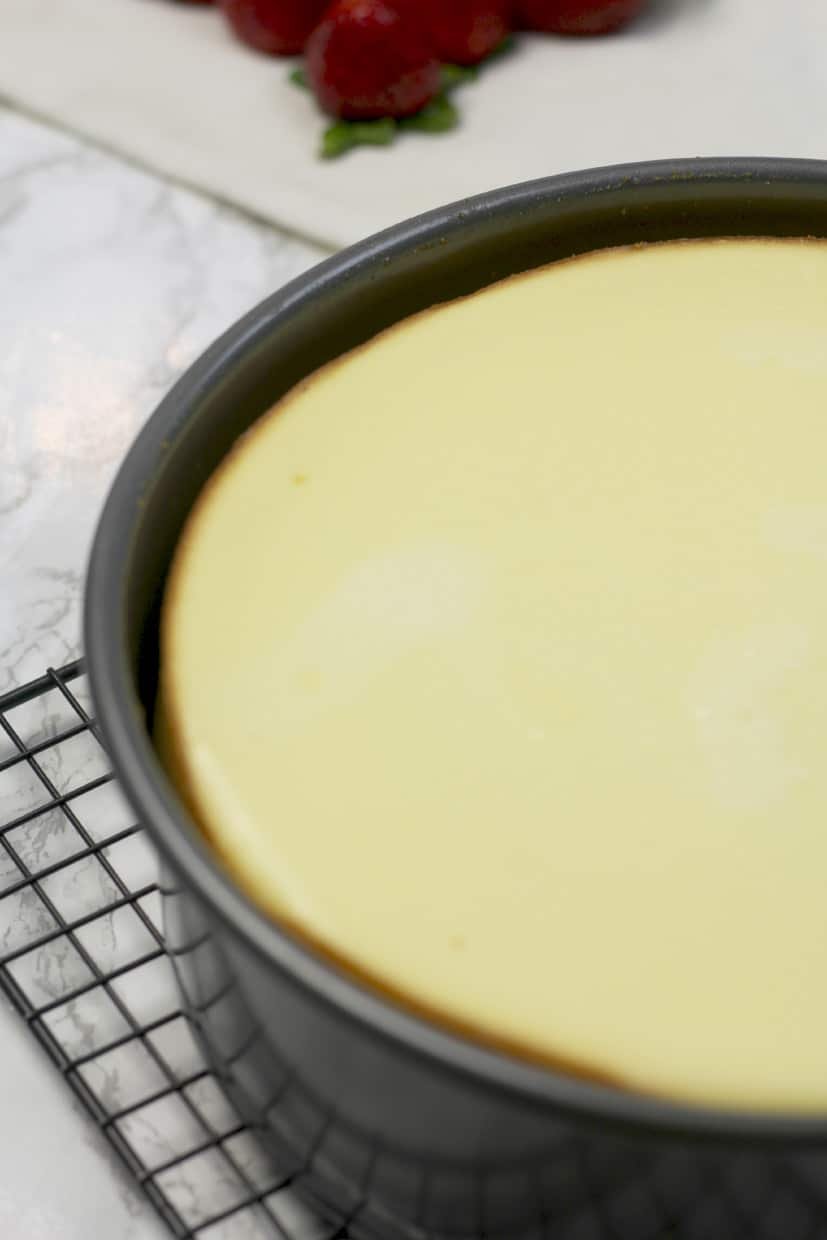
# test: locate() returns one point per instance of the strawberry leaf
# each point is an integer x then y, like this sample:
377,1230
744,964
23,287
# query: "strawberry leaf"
502,49
438,116
457,75
345,135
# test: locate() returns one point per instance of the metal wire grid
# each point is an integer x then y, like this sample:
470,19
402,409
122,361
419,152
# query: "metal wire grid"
83,959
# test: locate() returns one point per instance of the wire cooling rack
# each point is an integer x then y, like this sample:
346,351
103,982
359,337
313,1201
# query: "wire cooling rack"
82,958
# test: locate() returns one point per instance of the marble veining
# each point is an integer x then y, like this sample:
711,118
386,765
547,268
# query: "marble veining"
111,283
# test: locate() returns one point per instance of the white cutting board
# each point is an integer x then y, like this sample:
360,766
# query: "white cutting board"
166,85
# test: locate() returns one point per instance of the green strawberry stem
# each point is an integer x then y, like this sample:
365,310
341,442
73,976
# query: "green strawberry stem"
458,75
345,135
502,49
439,116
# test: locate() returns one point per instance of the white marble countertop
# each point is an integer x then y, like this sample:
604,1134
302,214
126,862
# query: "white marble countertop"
111,282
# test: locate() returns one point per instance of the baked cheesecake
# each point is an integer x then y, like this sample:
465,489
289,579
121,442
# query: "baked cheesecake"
494,666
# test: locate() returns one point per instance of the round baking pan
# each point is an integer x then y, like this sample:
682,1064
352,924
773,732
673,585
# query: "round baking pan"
392,1124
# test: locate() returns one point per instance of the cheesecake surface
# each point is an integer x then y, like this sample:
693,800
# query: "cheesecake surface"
494,666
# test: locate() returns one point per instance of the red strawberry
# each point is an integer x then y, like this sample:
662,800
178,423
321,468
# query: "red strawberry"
576,16
372,58
465,31
278,27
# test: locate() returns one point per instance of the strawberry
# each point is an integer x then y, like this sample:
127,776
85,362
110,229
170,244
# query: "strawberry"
278,27
372,58
576,16
465,31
